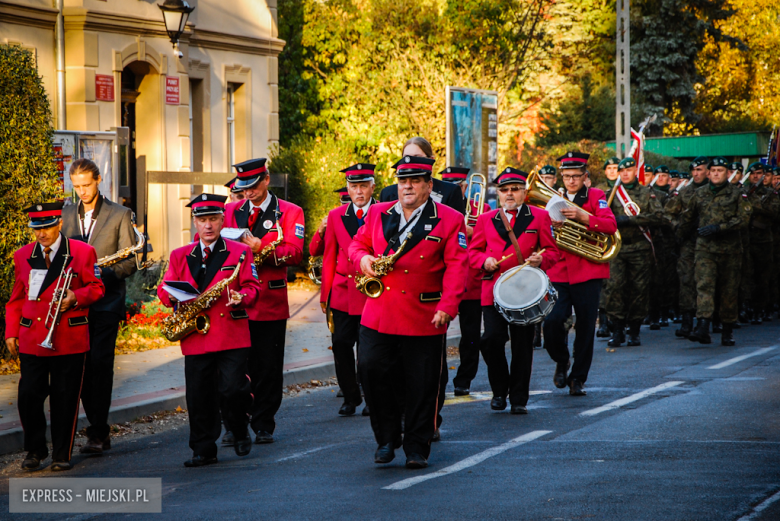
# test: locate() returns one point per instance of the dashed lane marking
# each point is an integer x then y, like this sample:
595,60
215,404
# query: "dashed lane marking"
451,399
628,399
732,361
760,507
306,452
468,462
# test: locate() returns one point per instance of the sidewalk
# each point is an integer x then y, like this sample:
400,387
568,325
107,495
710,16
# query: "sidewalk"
153,381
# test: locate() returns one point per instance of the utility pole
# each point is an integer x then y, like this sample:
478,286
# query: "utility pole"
623,81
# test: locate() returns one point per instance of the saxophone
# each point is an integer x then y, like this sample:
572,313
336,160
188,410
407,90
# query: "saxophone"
270,248
110,260
372,286
189,316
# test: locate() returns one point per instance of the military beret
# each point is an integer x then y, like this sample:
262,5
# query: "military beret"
685,175
626,163
777,170
612,161
737,166
662,169
755,167
548,170
674,174
648,167
699,161
718,161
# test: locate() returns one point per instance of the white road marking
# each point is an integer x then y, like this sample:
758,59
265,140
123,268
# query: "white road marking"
468,462
628,399
760,507
306,452
736,359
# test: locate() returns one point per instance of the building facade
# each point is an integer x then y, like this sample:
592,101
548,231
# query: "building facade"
213,106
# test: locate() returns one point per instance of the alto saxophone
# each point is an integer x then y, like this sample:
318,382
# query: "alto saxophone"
373,286
189,316
270,248
110,260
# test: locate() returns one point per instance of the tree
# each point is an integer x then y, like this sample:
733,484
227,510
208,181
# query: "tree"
28,173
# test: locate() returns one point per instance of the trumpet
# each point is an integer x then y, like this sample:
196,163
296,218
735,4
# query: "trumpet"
315,269
63,285
475,199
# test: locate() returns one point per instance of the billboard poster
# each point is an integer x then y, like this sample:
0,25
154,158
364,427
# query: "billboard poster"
472,133
97,146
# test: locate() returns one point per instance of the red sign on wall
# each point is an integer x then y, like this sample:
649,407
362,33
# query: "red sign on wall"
104,87
172,90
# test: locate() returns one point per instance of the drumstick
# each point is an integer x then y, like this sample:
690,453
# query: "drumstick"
523,265
502,260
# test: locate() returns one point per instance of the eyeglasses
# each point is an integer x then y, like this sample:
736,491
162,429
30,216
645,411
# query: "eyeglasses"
571,177
512,189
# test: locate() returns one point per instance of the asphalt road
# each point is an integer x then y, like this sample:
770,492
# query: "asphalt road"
669,430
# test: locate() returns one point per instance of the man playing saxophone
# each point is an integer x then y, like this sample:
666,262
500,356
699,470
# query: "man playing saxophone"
215,361
405,325
107,227
33,318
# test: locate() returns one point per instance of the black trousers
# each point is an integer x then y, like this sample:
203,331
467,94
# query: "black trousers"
420,359
211,379
59,378
584,297
345,336
266,366
99,371
514,380
470,313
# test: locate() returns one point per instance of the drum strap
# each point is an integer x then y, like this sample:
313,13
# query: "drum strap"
512,236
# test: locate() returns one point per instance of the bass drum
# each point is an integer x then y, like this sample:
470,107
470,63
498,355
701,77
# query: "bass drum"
524,296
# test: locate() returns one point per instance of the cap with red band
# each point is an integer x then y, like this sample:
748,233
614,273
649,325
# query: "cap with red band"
573,160
511,175
359,172
232,185
455,174
249,173
43,215
412,166
207,204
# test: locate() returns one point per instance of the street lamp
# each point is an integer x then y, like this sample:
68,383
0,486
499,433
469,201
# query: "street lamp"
175,14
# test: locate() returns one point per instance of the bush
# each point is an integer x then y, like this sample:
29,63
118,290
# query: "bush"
28,173
142,286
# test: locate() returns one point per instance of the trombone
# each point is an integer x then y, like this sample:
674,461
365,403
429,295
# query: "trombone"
54,313
475,202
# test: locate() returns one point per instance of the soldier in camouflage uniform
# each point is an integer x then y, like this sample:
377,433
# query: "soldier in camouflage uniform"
715,215
736,169
605,184
686,258
665,270
629,276
766,206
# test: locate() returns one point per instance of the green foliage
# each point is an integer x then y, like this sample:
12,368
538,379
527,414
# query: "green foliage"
28,173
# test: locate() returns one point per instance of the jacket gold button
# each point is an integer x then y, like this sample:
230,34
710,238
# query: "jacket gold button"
422,257
222,314
387,288
403,291
260,281
406,271
349,276
39,300
39,319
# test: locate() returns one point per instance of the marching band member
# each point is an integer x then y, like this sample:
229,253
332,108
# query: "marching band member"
107,227
630,271
516,230
577,279
215,362
236,194
55,372
264,214
317,243
406,325
470,308
338,279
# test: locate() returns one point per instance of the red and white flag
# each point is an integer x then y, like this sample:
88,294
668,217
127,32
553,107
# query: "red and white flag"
639,153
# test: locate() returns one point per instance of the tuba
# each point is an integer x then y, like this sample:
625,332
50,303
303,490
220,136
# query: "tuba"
574,237
477,200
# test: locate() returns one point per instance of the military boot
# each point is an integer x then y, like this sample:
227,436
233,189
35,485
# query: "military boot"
685,327
654,325
727,337
744,313
618,334
717,326
676,316
603,330
755,316
633,334
664,322
702,332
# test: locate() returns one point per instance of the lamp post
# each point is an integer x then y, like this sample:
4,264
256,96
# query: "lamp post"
175,15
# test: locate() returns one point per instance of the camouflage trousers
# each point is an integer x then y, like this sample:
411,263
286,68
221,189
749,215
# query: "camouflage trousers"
628,288
717,273
685,273
762,261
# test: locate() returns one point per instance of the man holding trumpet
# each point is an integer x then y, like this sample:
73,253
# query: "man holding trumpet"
46,323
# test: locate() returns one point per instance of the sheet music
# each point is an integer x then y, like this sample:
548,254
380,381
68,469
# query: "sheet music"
554,207
34,283
179,293
235,234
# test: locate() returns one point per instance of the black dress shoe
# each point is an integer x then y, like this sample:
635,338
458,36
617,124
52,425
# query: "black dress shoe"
200,461
498,403
93,446
366,412
60,466
436,435
575,388
228,439
519,409
33,461
416,461
243,446
340,394
559,378
347,409
384,454
462,391
264,437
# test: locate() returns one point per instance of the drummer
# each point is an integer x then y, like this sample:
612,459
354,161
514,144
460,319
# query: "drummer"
504,238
